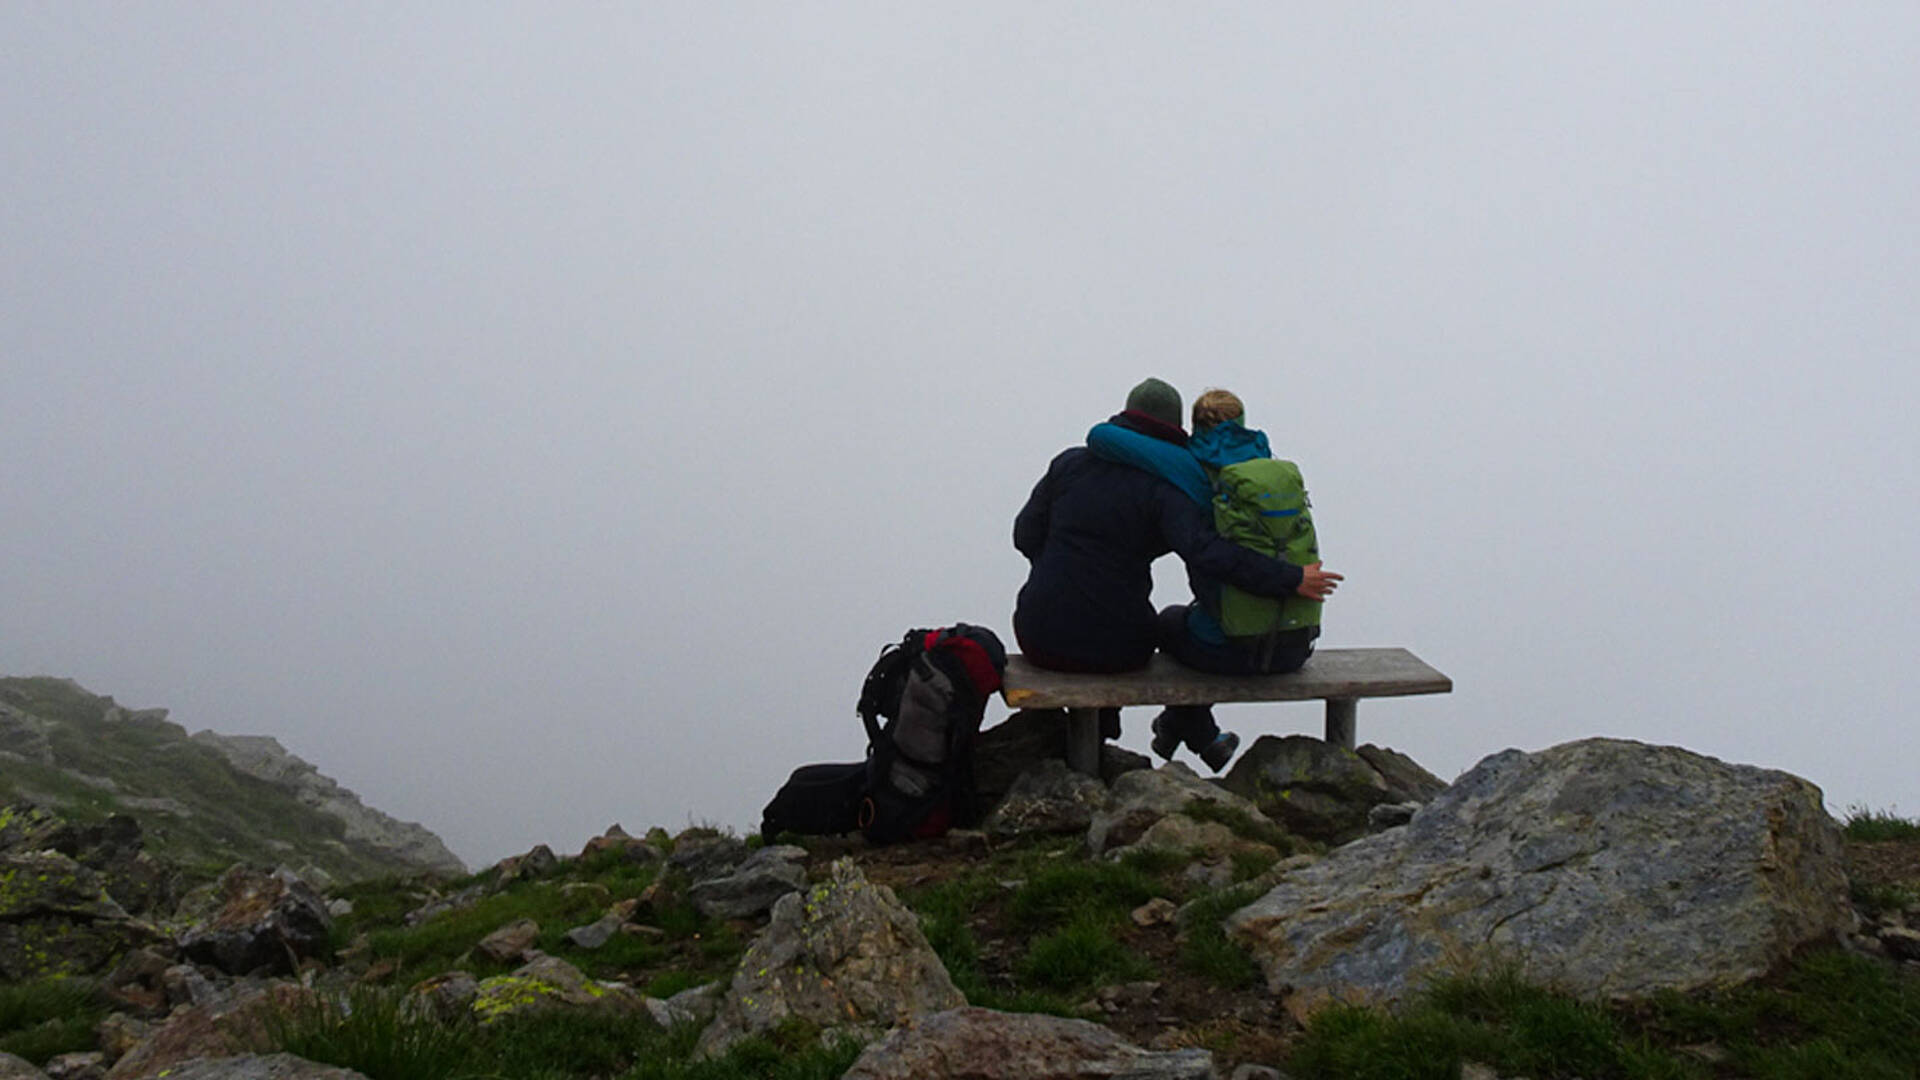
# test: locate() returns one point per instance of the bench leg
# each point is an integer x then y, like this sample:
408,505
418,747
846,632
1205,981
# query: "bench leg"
1340,721
1083,741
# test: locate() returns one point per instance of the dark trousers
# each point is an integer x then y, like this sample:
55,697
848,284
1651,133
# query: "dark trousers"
1272,654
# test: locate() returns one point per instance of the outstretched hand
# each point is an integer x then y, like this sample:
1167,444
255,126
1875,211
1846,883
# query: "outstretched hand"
1318,584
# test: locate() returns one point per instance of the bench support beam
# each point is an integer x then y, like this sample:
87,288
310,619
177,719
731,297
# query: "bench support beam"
1341,721
1083,741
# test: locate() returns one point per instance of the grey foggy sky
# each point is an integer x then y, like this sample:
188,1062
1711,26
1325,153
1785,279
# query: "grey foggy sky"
538,416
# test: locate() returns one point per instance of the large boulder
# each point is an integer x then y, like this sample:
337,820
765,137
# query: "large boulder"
1324,792
1602,867
262,921
846,956
981,1044
57,919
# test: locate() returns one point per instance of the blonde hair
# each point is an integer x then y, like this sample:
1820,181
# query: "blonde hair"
1213,406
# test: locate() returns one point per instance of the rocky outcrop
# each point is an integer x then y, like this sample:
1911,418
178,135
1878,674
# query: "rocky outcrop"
981,1044
1325,792
262,921
206,800
847,957
404,841
1602,867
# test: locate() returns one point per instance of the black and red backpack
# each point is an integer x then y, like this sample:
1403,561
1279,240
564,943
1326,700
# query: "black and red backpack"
921,705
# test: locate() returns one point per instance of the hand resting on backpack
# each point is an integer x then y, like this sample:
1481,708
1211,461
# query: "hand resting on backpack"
1318,584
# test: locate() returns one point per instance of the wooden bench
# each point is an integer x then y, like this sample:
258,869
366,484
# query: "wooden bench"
1339,676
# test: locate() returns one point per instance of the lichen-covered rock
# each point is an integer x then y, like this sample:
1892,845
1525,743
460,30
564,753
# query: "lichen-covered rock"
1322,791
846,956
703,854
547,982
751,888
1047,798
981,1044
57,919
1145,796
263,921
1602,867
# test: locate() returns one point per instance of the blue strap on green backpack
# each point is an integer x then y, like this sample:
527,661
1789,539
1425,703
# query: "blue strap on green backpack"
1262,504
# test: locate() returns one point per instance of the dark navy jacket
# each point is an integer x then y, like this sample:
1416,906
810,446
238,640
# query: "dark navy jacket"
1091,530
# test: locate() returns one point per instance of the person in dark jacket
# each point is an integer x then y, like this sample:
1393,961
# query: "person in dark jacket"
1091,531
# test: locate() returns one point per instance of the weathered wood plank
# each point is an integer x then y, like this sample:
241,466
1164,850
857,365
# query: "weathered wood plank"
1331,673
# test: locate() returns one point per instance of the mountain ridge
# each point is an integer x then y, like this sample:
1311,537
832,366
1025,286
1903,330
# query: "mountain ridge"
205,800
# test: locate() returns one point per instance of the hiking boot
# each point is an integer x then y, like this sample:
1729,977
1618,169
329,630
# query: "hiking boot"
1220,751
1165,743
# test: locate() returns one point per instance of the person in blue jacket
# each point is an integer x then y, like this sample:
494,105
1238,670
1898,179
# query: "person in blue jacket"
1093,527
1191,633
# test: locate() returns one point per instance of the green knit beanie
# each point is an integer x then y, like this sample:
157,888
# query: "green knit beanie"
1158,400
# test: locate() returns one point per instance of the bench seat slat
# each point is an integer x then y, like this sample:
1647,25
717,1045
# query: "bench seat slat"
1331,674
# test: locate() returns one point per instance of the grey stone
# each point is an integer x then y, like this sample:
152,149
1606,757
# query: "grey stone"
439,905
82,1065
1604,868
846,956
752,886
447,996
702,856
596,933
1900,942
1047,798
18,1068
1385,816
1256,1072
1003,752
511,941
1317,790
260,1067
1139,799
264,920
538,862
693,1006
981,1044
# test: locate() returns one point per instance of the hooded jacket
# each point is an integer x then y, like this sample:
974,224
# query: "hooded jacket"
1091,531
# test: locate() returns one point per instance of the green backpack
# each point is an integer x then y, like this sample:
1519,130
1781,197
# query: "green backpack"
1262,504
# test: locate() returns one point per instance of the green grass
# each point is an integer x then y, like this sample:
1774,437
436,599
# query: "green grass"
1873,825
45,1017
1256,828
380,1034
1832,1016
1206,950
1085,953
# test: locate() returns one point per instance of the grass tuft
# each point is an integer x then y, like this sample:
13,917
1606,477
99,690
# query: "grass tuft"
1876,825
46,1017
